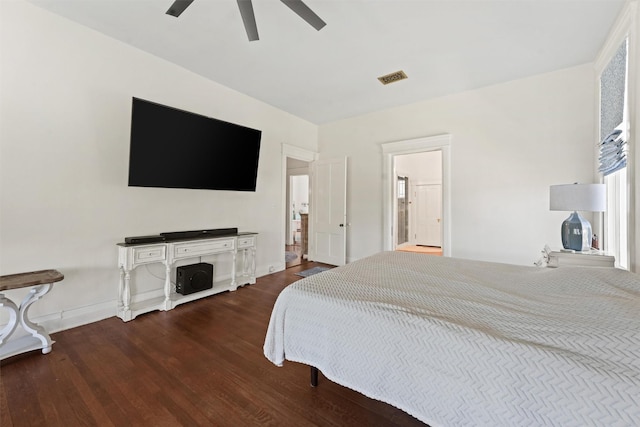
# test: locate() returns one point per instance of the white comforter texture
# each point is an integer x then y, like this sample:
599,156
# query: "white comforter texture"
468,343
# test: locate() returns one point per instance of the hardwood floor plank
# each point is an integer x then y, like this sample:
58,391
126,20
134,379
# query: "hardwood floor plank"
201,364
56,394
5,419
77,392
29,411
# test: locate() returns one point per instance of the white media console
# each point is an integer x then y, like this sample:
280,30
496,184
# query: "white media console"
168,253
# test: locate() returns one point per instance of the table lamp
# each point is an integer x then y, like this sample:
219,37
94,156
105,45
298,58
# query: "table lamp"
576,230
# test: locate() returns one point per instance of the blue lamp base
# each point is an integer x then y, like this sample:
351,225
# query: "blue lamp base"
576,233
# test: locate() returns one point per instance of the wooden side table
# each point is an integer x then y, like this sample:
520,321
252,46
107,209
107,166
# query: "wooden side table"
41,282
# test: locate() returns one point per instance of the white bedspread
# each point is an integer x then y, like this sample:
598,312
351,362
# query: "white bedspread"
464,343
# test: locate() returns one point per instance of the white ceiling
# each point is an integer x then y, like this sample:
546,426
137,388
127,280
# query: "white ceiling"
444,46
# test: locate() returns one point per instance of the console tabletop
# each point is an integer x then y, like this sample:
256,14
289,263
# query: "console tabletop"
21,280
40,282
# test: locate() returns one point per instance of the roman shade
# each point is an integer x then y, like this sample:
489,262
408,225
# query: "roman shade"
613,150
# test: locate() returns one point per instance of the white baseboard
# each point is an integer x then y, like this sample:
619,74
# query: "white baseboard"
264,270
73,318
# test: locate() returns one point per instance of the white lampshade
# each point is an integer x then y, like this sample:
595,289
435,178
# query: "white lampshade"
578,197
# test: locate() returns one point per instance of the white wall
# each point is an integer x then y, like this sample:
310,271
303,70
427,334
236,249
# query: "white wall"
65,120
421,168
510,142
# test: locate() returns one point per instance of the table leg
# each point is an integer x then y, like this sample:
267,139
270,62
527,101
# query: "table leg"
8,329
245,268
120,288
167,287
126,291
234,284
34,329
253,261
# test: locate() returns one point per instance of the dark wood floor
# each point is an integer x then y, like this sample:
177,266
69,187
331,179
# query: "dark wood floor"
200,364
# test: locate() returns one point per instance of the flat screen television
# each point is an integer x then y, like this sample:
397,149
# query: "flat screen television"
172,148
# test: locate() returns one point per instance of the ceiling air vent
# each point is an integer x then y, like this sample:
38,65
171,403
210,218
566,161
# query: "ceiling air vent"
393,77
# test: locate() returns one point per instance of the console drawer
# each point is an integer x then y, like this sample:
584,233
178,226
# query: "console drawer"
145,254
246,242
190,249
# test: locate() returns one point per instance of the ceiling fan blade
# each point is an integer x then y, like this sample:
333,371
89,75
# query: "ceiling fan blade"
303,11
178,7
249,19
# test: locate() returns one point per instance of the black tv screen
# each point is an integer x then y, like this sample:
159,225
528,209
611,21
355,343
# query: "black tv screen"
172,148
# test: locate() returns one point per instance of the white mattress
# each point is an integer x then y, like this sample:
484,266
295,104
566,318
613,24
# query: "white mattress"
463,343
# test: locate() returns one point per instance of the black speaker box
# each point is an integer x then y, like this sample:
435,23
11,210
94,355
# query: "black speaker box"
194,278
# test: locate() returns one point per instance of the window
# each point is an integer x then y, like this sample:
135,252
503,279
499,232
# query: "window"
614,134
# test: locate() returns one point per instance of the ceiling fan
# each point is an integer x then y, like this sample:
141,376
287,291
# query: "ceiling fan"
249,19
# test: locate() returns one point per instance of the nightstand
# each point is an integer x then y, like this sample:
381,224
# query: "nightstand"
580,259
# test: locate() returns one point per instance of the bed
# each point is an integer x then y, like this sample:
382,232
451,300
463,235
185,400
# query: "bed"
457,342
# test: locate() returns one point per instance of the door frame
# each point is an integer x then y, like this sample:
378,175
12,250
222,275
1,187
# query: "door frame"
298,154
411,146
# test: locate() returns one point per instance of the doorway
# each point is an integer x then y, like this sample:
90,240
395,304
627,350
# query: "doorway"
426,164
297,215
418,213
327,237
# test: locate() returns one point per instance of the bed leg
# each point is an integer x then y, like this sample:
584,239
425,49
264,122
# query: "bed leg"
314,376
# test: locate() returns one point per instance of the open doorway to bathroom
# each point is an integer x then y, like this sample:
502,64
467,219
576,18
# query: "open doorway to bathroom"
297,215
418,207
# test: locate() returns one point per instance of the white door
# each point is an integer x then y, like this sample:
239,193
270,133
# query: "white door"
428,216
327,237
